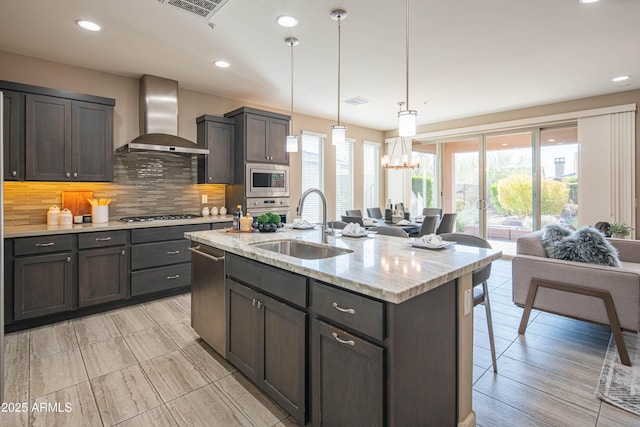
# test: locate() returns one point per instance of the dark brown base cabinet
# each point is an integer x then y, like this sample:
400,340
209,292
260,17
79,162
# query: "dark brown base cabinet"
266,341
369,362
43,271
102,267
348,378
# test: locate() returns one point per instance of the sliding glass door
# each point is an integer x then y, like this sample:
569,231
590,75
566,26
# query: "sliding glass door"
491,182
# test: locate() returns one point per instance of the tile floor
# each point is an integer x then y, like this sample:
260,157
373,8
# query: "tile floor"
143,365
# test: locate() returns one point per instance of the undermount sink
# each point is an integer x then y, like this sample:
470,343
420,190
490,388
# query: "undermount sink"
303,250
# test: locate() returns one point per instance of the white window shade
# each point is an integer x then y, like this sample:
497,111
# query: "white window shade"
371,170
344,177
312,174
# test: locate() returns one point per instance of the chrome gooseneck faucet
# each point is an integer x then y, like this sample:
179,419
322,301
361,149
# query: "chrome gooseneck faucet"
324,209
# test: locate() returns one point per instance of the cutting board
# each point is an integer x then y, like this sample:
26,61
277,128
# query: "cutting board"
76,202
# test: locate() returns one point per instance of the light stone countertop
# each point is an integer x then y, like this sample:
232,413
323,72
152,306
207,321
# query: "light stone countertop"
382,267
47,230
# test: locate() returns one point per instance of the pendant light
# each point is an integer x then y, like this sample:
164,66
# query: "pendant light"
405,164
407,118
338,132
292,139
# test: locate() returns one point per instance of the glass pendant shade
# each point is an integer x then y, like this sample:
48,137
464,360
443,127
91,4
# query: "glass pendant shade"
292,144
407,122
338,134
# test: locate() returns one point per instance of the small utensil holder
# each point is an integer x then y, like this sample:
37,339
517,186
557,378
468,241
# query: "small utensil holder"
99,214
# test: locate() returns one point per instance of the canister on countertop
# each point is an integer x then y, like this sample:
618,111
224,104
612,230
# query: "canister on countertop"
53,215
66,217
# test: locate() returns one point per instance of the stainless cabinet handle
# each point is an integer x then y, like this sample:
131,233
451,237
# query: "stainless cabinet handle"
68,175
349,342
44,245
210,179
173,277
173,252
75,174
123,252
259,303
344,310
68,259
196,250
103,239
253,303
14,173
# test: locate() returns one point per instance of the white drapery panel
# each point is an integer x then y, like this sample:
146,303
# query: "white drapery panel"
623,180
607,168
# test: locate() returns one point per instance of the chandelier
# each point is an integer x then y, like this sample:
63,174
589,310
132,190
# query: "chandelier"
405,164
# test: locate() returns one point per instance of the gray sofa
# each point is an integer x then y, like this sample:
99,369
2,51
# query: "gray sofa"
596,293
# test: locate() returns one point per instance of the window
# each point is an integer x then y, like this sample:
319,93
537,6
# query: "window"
344,177
371,173
312,173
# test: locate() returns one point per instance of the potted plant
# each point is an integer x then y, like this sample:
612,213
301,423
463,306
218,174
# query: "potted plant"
619,230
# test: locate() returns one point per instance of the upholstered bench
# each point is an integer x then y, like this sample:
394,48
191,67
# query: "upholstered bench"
595,293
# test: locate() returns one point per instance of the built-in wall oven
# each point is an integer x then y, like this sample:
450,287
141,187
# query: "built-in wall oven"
265,180
278,205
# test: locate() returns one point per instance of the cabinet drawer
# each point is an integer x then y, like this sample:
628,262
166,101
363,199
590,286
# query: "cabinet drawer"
101,239
290,287
159,234
355,312
161,278
221,225
158,254
43,244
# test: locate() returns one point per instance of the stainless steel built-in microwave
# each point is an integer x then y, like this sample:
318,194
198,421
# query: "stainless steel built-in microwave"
263,180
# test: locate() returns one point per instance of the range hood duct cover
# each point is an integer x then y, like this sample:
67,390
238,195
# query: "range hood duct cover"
159,119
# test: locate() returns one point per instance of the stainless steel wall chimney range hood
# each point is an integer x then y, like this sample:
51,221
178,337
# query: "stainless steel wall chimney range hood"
159,120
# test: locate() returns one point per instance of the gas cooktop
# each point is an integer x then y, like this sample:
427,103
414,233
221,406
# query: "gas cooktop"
166,217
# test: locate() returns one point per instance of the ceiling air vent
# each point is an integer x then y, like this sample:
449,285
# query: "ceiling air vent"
203,8
356,100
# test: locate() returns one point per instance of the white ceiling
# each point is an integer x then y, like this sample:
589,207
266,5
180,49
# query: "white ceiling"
466,58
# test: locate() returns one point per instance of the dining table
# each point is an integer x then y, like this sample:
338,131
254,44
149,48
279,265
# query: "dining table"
411,228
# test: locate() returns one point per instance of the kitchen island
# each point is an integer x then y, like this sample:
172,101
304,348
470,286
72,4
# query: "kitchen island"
379,334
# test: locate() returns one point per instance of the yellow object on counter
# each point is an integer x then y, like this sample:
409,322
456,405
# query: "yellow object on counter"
99,202
246,222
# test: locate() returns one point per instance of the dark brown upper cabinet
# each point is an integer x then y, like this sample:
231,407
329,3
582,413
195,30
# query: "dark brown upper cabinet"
56,135
216,134
260,136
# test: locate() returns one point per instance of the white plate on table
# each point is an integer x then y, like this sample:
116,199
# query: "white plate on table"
303,227
423,245
359,234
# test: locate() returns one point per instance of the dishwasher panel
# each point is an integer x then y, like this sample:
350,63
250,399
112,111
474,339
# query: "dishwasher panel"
208,312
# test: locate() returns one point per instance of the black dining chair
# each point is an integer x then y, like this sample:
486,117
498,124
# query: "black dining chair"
354,212
429,224
338,225
374,213
447,224
389,231
356,219
478,281
432,211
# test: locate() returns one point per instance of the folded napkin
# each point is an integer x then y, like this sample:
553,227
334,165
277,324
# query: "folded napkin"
368,221
301,222
430,239
403,222
353,228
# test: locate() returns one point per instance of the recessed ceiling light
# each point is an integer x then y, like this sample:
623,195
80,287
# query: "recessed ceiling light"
88,25
620,78
588,1
287,20
551,140
222,64
505,144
